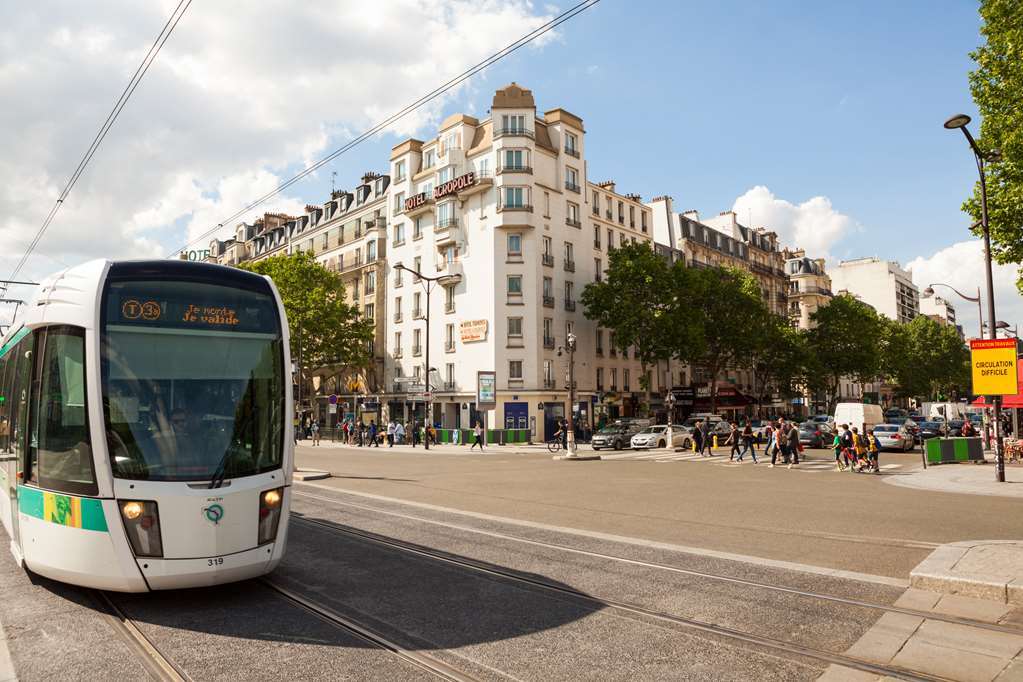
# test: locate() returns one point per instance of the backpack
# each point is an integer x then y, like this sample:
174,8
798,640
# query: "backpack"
847,439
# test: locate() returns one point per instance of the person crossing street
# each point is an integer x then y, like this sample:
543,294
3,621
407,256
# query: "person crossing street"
477,433
733,440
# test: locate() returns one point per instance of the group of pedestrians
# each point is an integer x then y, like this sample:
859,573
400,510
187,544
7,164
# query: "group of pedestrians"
855,451
781,438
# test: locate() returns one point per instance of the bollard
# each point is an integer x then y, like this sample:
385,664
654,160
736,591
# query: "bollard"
715,441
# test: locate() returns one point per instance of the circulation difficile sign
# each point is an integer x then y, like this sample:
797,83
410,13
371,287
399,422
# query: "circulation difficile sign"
994,366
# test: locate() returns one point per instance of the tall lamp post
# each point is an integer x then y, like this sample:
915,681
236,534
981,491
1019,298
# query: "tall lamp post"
960,121
570,436
929,291
428,284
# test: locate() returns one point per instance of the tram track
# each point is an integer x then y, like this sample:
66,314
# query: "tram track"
846,601
787,649
367,634
155,662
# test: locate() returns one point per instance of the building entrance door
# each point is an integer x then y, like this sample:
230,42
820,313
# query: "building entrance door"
553,413
516,415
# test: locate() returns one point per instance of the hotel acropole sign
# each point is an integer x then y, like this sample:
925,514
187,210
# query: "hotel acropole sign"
456,185
415,201
993,362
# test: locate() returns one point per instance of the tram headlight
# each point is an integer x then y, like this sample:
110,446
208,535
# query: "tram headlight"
269,514
142,526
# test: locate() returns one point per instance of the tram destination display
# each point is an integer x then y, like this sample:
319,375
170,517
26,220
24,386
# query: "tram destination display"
151,304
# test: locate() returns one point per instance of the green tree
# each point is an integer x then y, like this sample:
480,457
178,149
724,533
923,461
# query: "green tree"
844,342
778,357
325,330
925,358
724,302
997,87
636,301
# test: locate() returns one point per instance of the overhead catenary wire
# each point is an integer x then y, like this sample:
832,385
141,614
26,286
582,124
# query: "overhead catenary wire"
437,92
129,89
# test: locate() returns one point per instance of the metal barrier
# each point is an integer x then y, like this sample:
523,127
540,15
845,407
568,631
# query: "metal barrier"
952,450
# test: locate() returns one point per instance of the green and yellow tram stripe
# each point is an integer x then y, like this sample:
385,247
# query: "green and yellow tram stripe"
64,510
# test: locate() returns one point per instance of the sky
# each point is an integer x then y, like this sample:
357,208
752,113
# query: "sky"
821,121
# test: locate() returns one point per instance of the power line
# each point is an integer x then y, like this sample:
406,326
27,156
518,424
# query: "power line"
465,75
119,105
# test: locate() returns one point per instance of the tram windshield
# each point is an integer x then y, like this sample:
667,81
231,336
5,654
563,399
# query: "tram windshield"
192,380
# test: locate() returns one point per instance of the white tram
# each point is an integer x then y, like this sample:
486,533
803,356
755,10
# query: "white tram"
145,432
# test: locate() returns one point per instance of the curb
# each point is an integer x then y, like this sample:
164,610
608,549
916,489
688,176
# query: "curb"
941,572
310,475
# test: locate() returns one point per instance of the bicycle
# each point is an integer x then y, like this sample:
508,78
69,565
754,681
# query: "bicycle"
554,444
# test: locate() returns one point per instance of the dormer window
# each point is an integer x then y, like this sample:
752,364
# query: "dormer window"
399,171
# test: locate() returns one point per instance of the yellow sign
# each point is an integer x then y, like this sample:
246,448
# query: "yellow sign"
473,330
994,366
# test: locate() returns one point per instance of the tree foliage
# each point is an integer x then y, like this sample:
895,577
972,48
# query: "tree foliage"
925,358
845,342
997,87
325,330
778,360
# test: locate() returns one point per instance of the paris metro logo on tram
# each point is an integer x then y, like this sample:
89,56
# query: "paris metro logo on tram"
213,513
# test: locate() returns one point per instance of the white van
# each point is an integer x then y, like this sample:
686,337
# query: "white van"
862,416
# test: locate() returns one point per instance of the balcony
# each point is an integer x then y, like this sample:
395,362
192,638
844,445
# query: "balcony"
397,242
621,219
572,151
569,265
449,385
548,301
398,317
572,222
417,351
596,211
446,224
528,208
549,384
548,342
569,305
515,168
608,214
596,244
512,132
548,260
572,187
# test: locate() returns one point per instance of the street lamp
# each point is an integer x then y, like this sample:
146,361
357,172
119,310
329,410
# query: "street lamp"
428,284
570,437
960,121
929,291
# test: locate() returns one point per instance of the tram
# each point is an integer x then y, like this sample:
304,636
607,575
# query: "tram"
145,438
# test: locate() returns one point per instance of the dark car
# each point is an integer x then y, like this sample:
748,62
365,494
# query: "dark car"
812,434
615,436
931,430
955,426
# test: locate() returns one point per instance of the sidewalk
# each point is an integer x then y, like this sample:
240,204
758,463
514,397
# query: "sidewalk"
966,478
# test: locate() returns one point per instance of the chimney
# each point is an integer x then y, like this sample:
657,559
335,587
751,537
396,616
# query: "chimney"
692,214
369,176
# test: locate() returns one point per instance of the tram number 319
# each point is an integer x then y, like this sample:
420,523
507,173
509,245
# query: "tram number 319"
219,561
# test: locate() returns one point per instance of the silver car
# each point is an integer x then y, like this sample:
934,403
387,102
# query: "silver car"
894,437
657,437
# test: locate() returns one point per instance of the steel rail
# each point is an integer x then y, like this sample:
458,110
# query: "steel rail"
785,647
156,663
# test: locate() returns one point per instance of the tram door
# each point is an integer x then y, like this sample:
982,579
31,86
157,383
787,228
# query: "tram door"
15,369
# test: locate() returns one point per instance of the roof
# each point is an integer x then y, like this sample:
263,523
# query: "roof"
513,96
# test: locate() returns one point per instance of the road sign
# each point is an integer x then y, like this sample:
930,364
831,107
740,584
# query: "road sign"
416,388
993,362
428,395
332,399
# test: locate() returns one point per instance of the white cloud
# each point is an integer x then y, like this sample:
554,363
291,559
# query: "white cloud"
234,102
961,265
813,225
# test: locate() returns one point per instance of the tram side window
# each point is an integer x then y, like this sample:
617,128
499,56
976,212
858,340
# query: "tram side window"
15,366
61,452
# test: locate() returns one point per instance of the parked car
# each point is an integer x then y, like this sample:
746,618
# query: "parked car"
955,426
657,437
895,415
614,436
811,434
894,437
931,430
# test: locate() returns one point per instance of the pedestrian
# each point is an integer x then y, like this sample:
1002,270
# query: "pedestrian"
747,442
873,448
413,430
707,443
836,445
564,434
859,450
314,429
477,433
794,444
698,437
390,434
373,433
399,433
733,440
295,428
775,446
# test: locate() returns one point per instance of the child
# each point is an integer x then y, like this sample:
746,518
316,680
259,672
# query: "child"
873,448
837,446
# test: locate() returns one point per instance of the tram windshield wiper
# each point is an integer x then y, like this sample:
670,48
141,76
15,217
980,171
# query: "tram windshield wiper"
221,471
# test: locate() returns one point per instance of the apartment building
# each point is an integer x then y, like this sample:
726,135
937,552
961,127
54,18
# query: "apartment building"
880,283
502,208
809,286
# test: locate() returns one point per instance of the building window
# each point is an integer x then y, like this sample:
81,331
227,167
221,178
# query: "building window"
600,378
370,312
600,342
515,245
621,212
548,332
444,175
417,347
625,379
397,308
573,215
515,159
417,229
515,326
571,144
513,123
399,203
399,234
642,218
547,204
622,239
417,265
569,290
547,248
572,179
397,277
449,337
444,214
569,254
355,289
515,369
596,204
449,299
417,309
596,236
429,159
399,171
514,197
548,374
515,285
632,216
614,378
598,270
371,282
397,344
371,251
548,287
610,240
